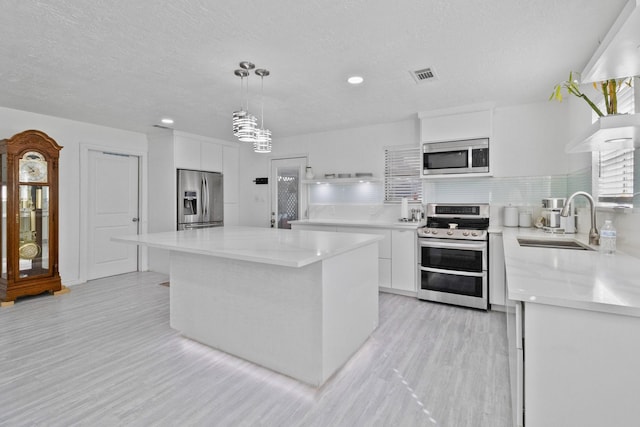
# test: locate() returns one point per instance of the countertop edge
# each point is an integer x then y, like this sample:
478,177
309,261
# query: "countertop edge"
524,277
360,223
137,240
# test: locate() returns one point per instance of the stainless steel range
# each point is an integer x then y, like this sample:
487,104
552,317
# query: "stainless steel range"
453,254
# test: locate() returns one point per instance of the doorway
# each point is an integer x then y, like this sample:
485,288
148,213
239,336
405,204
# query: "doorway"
112,210
288,193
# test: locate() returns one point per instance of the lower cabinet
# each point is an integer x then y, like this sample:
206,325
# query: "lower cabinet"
397,259
403,261
574,367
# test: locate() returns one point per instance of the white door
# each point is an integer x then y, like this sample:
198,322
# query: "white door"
288,194
113,211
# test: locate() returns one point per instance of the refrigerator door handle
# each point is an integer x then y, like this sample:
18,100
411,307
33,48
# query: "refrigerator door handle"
206,197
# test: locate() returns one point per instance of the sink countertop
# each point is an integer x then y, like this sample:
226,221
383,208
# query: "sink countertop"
361,223
289,248
579,279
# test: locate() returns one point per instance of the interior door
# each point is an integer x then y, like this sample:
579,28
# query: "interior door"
113,211
288,194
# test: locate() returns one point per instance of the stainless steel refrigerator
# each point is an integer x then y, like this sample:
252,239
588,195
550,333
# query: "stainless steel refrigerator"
200,199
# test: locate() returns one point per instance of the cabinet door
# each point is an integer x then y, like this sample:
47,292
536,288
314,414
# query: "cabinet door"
384,246
384,272
496,270
211,158
230,170
403,260
187,153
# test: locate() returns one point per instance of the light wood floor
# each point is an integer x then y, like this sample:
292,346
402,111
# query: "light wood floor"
104,355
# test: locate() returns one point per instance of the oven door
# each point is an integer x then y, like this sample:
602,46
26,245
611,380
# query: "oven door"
457,255
454,272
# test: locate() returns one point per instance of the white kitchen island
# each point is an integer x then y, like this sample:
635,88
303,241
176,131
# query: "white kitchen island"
298,302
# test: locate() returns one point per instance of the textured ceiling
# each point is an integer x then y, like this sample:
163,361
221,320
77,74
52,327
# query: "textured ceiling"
126,64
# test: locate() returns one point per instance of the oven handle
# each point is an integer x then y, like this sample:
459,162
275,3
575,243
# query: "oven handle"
476,245
454,272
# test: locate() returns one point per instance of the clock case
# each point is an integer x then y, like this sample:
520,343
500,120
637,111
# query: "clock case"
25,270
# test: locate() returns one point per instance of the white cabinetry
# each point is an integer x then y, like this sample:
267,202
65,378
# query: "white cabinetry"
580,367
496,270
230,171
170,150
199,153
397,259
384,252
403,261
458,123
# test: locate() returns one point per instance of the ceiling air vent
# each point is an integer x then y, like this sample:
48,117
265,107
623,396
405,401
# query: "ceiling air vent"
424,75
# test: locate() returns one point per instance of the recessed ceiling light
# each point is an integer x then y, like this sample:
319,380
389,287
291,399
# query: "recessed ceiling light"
355,80
167,121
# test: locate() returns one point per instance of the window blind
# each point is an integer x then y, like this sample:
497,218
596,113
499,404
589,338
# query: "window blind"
615,167
402,174
615,180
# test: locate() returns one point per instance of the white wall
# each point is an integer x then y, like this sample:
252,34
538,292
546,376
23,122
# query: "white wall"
70,134
341,151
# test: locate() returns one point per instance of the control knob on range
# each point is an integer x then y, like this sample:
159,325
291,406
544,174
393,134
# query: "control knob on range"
474,234
434,232
450,233
465,233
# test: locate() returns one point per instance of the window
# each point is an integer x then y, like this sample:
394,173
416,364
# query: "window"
613,182
615,177
402,174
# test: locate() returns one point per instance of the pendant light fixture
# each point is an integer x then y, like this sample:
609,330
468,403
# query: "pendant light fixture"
262,142
244,123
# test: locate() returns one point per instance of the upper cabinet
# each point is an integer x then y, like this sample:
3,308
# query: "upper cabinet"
475,121
618,55
199,153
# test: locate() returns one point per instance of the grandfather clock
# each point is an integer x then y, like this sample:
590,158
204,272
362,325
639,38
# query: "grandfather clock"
29,231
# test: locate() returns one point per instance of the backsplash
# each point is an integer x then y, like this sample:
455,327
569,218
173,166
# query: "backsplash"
364,201
520,191
353,193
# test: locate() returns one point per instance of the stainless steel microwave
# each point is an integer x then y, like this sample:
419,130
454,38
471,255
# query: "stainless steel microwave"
455,157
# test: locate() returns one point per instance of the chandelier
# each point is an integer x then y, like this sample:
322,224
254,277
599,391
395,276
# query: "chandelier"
245,124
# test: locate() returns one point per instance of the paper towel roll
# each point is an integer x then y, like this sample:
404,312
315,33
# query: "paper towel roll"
510,216
404,208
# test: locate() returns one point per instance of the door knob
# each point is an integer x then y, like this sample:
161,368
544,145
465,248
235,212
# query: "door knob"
135,219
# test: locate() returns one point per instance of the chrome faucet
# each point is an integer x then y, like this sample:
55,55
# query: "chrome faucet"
594,237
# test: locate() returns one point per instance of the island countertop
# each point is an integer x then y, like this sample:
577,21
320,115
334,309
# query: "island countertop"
586,280
289,248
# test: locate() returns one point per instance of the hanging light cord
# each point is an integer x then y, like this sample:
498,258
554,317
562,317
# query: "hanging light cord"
262,102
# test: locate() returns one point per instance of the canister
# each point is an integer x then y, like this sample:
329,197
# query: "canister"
524,219
510,216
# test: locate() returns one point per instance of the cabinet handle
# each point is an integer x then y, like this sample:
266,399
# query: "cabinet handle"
17,218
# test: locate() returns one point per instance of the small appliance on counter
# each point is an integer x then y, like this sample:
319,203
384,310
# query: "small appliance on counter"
551,208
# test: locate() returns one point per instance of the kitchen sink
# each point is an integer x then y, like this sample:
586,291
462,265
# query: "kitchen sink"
553,243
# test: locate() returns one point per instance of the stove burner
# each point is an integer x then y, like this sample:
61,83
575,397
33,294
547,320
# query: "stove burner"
456,221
